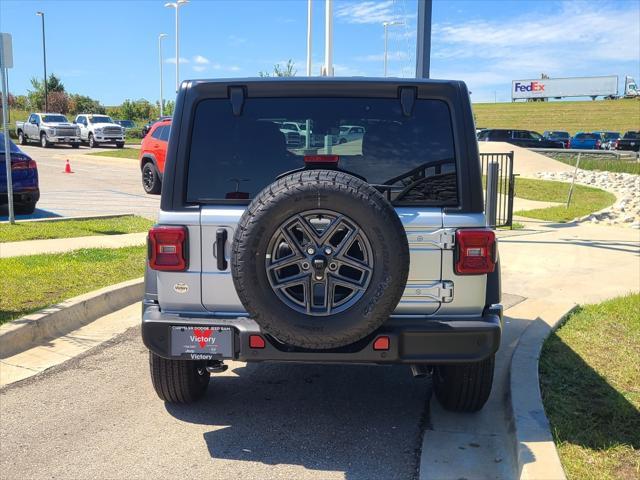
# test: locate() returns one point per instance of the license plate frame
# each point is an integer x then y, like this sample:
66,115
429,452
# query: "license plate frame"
204,342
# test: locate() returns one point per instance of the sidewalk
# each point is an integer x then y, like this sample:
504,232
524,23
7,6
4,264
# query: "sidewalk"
60,245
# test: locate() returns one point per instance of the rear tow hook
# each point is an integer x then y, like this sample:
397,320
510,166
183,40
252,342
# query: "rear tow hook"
217,367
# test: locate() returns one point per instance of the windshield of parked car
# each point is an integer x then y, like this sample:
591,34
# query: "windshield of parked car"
586,136
632,135
611,135
54,118
408,157
13,148
558,135
127,123
100,119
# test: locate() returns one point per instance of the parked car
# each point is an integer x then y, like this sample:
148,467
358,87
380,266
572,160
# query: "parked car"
586,141
48,129
153,152
24,177
267,253
629,141
558,136
99,129
349,133
608,139
521,138
126,124
150,123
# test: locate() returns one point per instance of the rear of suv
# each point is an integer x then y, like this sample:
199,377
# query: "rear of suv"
373,251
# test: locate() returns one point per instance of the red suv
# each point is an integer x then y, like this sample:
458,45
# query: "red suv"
153,153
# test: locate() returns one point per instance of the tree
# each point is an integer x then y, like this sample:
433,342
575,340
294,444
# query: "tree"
278,71
84,104
58,102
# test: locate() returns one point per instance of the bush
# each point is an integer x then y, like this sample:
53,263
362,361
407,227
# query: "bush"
134,133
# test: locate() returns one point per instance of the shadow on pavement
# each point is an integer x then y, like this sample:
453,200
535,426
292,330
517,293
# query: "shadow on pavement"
364,421
626,246
4,214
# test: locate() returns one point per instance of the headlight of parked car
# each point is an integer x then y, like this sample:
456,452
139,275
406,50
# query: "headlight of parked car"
98,130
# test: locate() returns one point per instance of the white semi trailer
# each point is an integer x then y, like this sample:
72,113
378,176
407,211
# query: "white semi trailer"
543,89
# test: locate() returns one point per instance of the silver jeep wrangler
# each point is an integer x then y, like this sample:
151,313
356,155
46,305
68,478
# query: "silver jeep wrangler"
373,250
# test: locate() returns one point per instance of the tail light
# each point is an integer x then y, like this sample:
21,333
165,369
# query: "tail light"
476,252
167,248
23,165
615,145
597,143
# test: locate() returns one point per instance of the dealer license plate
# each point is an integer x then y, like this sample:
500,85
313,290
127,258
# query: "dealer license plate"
202,343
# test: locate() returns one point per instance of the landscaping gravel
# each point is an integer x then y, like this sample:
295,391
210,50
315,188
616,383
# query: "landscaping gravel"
625,186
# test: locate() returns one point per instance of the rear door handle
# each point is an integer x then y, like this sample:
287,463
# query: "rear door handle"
221,242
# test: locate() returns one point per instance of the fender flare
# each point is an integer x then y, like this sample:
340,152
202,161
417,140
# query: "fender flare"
150,157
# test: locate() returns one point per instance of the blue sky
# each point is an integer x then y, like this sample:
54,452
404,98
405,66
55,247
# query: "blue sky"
108,49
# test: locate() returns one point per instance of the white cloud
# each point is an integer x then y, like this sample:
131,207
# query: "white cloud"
200,60
368,12
173,60
199,68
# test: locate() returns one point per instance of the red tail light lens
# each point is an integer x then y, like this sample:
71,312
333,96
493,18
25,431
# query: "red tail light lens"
23,165
476,252
332,159
167,248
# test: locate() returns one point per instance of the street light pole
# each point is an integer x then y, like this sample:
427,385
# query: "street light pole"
328,39
308,38
386,26
160,37
44,56
177,6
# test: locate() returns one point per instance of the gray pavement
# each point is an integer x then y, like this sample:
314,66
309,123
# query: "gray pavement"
99,185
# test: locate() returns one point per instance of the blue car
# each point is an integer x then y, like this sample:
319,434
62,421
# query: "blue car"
586,141
24,174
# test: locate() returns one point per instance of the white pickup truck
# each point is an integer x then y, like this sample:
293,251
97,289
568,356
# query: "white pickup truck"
97,129
48,129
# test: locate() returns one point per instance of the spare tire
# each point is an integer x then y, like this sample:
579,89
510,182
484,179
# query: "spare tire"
320,259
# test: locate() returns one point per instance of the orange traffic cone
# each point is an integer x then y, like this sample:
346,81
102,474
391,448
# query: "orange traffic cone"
67,167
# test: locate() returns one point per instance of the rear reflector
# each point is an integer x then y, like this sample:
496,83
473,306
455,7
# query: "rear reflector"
321,158
256,341
476,252
167,247
381,343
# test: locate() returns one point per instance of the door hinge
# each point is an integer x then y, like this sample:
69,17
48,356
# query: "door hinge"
443,239
430,292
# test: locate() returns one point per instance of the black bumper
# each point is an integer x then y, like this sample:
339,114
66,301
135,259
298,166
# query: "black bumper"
411,341
21,196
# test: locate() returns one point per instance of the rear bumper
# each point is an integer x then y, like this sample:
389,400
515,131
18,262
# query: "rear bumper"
411,341
21,196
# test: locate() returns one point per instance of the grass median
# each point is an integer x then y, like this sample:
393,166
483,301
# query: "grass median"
605,163
133,153
590,382
73,228
585,200
34,282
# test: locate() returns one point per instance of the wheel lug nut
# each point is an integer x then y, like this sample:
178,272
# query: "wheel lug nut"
328,250
305,265
311,250
333,266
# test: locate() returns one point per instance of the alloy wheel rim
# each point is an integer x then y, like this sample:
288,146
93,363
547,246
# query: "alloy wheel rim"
319,262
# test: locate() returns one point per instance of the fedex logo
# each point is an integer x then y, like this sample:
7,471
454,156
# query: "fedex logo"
531,87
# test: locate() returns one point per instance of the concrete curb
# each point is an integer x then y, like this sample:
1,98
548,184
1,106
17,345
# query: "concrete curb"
79,217
25,332
535,451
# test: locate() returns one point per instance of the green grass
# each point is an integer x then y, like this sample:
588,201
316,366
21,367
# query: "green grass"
614,115
119,153
37,281
72,228
585,200
590,382
604,163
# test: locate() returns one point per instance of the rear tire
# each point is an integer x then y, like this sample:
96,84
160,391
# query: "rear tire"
465,387
120,145
75,145
178,381
150,179
25,208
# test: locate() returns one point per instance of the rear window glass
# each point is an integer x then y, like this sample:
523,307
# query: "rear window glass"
409,158
586,136
632,135
559,134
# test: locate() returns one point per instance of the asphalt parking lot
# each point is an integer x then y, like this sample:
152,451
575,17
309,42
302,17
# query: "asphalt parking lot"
98,186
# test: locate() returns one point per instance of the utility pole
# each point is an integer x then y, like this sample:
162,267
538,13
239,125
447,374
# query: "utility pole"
423,50
44,56
309,11
386,26
327,69
177,6
6,62
160,37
